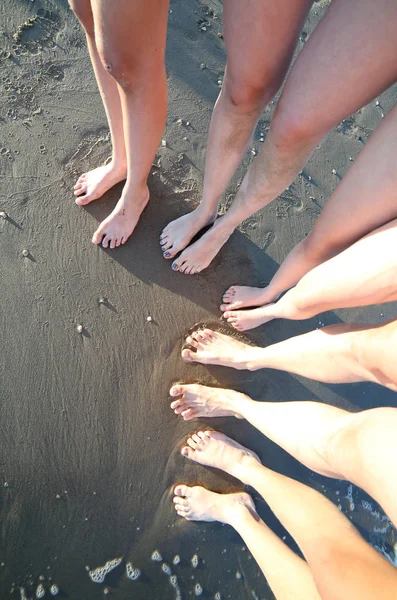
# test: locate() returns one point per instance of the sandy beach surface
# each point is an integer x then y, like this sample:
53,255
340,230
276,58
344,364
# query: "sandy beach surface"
89,448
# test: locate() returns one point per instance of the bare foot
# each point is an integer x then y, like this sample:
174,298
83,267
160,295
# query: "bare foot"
215,449
92,185
249,319
118,226
198,504
214,348
199,255
178,234
203,401
240,296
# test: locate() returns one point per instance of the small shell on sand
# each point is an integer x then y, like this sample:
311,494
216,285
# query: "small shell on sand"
217,596
80,328
25,252
23,593
156,556
3,214
166,569
195,561
334,171
198,590
106,591
180,122
163,142
40,591
176,560
174,581
238,575
148,319
203,66
54,590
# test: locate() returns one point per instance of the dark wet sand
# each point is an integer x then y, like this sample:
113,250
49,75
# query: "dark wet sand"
89,449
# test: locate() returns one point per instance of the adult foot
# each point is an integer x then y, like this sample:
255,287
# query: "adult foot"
203,401
215,449
92,185
215,348
178,234
240,296
198,504
119,225
249,319
199,255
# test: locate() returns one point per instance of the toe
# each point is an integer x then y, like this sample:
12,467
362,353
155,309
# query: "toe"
177,390
175,404
188,355
118,243
188,414
180,502
112,243
187,452
191,341
98,236
195,439
106,240
182,490
166,245
208,334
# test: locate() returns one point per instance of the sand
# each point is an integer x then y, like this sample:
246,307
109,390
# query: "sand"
89,448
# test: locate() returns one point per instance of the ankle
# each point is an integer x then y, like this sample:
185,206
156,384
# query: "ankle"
205,214
235,514
247,470
118,164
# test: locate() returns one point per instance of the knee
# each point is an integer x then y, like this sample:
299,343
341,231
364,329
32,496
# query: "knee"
82,10
292,127
247,94
314,249
129,70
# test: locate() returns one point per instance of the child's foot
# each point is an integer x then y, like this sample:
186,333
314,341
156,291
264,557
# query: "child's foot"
92,185
119,225
240,296
215,348
203,401
214,449
198,504
249,319
178,234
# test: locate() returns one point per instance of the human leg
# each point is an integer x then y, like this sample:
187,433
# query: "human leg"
95,183
363,274
363,201
272,555
340,353
131,39
342,564
313,101
260,39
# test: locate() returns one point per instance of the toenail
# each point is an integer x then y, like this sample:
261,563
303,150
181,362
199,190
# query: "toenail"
166,254
174,267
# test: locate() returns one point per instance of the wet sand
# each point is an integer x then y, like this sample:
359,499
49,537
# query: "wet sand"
89,448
